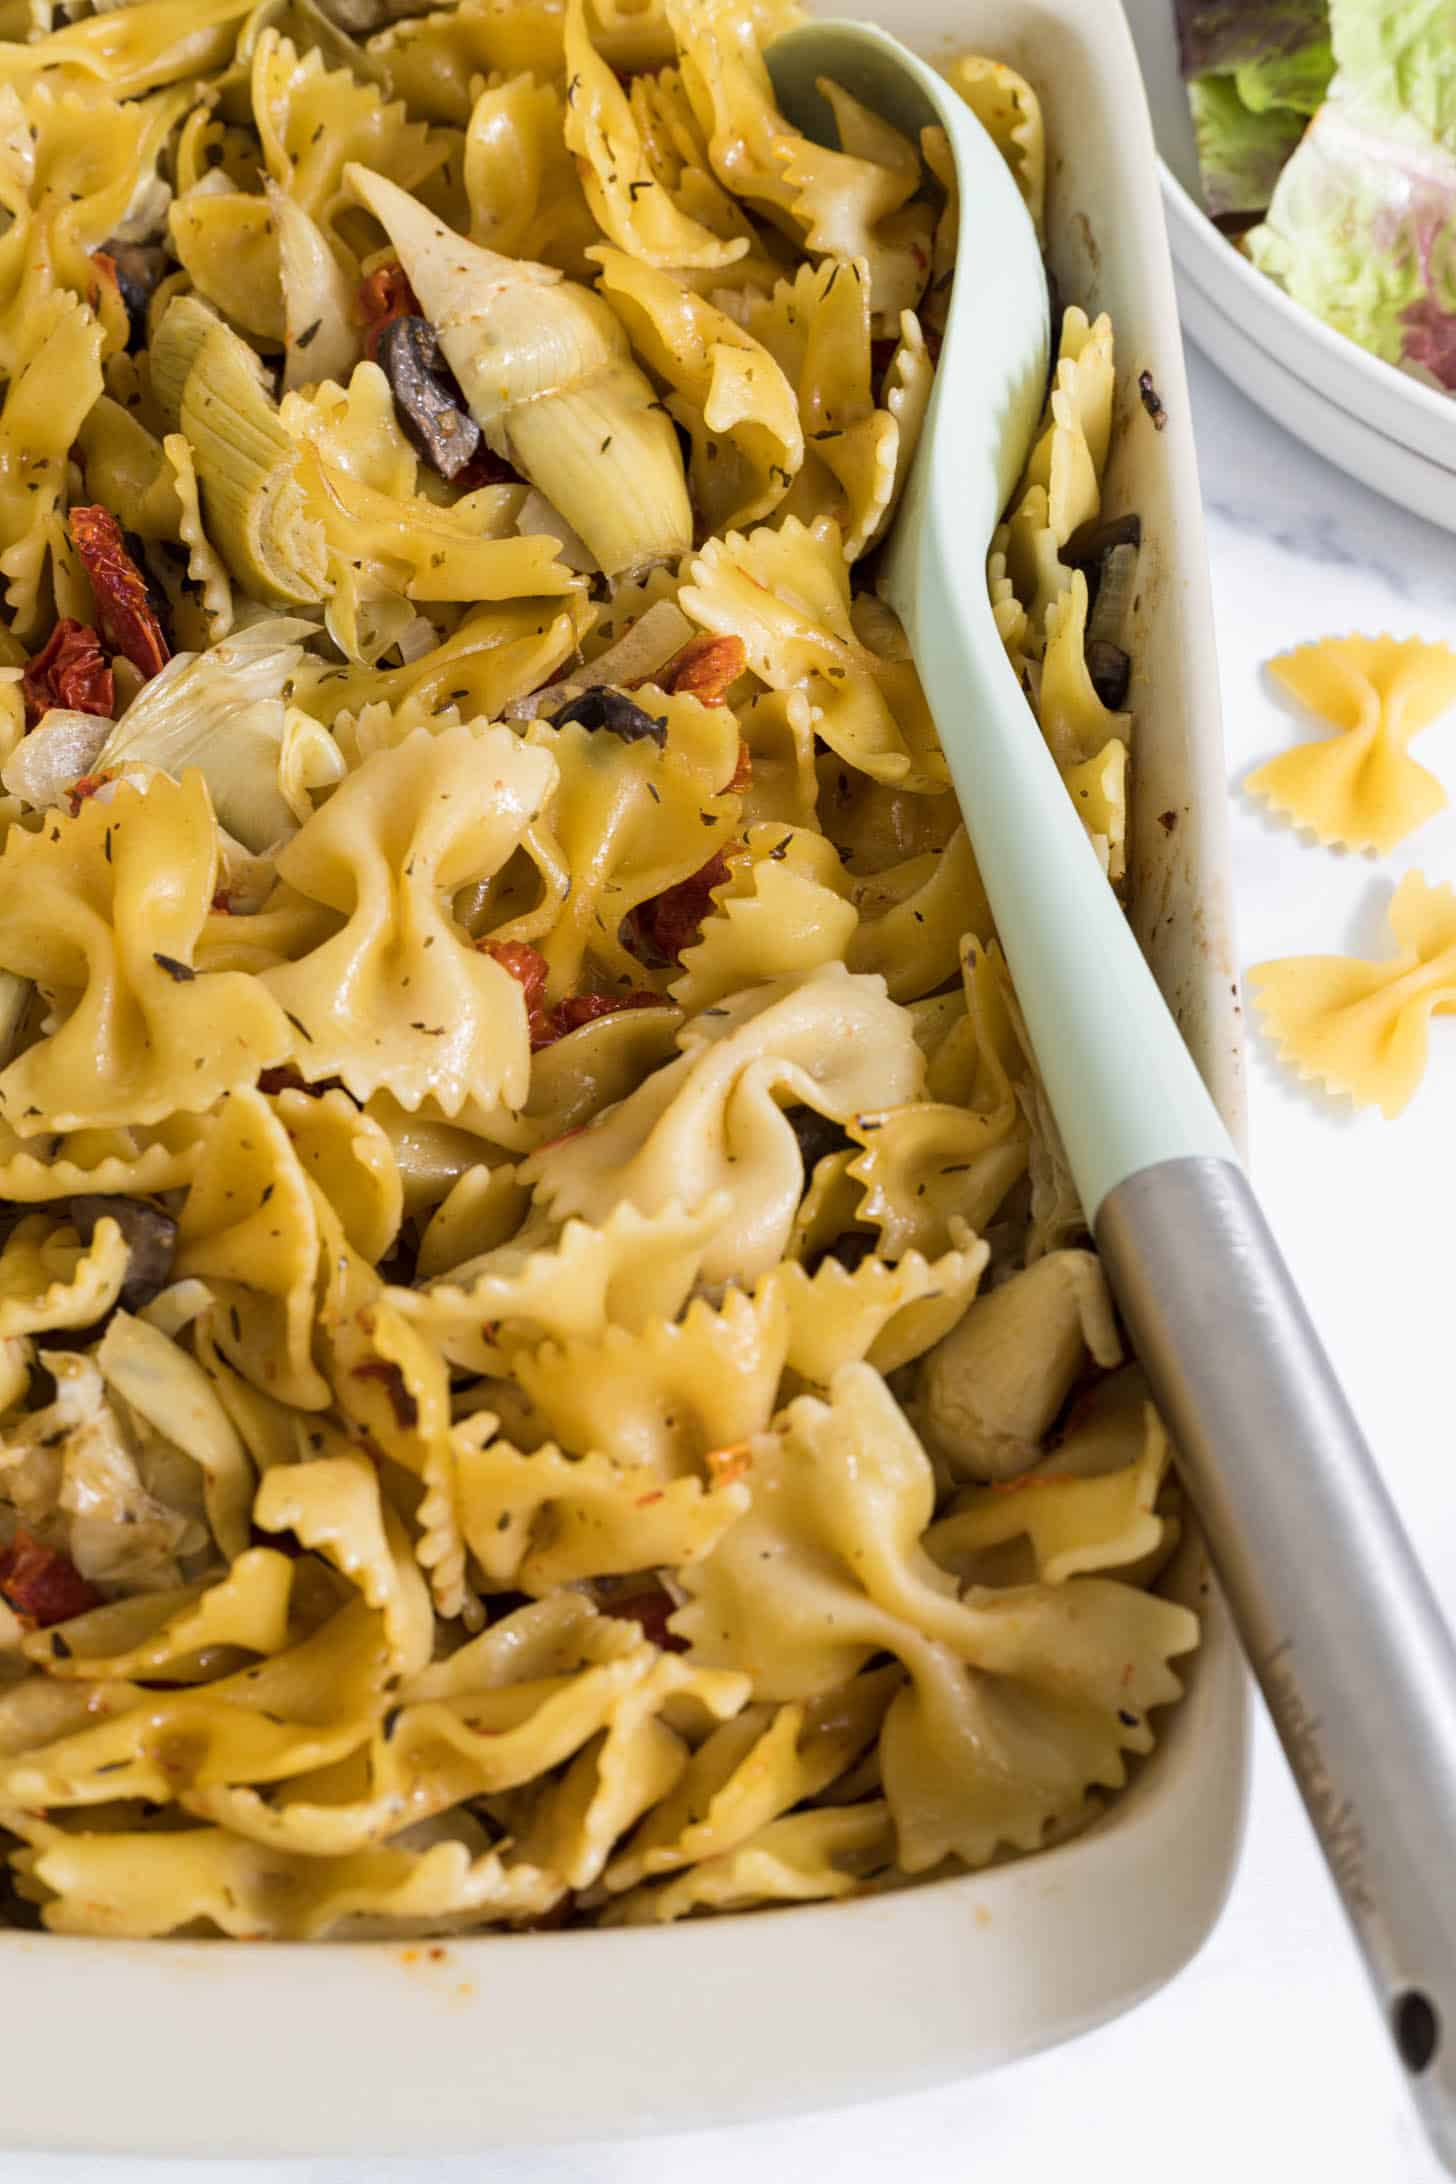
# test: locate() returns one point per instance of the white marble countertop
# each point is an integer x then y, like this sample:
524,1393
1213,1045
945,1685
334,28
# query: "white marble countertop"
1265,2057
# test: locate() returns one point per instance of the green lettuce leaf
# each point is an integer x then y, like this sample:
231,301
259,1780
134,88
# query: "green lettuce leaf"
1398,57
1361,230
1240,152
1256,70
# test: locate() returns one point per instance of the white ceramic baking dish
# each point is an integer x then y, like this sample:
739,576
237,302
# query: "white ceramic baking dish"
1385,427
215,2048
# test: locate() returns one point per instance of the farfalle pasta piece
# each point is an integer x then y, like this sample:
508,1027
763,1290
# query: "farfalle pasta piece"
862,202
301,1709
538,1520
555,1287
806,1857
751,1771
398,999
521,183
495,655
313,120
818,327
1019,1702
50,1280
785,592
1098,789
435,61
1010,111
888,1314
135,49
728,393
55,380
1360,787
104,911
1073,1525
1069,457
912,917
710,1121
1075,722
349,1159
334,1507
248,1228
626,820
427,1755
782,911
139,1886
174,1635
626,1771
483,1209
667,1396
930,1172
1362,1028
625,194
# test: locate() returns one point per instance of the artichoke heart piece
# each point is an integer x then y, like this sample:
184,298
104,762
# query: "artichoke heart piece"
247,464
548,373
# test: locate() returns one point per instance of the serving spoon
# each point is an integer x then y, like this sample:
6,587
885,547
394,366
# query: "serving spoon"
1337,1619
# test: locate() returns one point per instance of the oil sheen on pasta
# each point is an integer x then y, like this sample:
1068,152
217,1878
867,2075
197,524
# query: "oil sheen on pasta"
550,1367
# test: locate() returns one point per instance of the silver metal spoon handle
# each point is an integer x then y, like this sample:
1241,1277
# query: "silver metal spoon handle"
1336,1616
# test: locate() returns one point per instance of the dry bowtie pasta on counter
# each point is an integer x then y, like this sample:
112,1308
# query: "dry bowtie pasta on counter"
550,1368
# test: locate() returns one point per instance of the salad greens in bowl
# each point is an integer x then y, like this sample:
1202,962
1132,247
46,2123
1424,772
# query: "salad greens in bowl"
1326,141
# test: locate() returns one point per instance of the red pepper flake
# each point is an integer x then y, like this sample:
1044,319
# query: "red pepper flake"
705,669
123,610
391,1379
42,1586
384,296
670,922
84,785
70,671
724,1465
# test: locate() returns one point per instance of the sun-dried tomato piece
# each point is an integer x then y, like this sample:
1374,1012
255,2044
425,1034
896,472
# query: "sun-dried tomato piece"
668,923
705,669
384,296
528,967
71,671
42,1585
128,622
584,1008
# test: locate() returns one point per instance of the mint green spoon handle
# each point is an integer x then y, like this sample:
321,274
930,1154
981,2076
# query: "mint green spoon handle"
1338,1621
1123,1086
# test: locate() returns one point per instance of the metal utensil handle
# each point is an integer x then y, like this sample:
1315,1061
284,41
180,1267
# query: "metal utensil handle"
1336,1616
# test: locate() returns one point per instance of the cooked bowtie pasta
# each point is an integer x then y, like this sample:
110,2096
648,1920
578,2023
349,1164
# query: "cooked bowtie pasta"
550,1367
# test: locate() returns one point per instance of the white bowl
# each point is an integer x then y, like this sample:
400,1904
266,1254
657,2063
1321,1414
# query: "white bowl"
1386,428
208,2048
